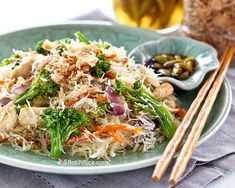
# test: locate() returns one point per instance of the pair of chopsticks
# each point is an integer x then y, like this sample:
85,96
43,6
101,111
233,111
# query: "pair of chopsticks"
212,85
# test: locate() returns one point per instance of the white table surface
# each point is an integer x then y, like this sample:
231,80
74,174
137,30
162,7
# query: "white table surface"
17,14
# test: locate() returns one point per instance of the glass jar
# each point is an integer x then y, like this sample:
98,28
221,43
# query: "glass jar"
212,21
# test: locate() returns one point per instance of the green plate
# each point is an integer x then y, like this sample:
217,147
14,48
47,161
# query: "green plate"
118,36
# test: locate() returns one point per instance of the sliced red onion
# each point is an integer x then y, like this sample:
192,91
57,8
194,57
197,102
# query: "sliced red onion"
117,109
35,68
112,97
40,64
4,101
116,102
21,88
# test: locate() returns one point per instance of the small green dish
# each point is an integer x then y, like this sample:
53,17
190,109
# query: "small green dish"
205,55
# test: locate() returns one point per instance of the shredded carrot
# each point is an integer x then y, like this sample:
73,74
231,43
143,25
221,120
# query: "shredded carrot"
110,129
122,127
82,137
70,104
110,75
124,60
2,82
181,112
96,51
112,133
111,56
101,98
73,139
116,136
79,97
3,139
81,128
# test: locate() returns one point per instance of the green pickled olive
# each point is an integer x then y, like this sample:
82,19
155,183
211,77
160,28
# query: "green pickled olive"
161,59
177,71
177,56
192,66
177,65
165,55
174,65
184,66
170,64
171,70
184,76
157,66
164,72
190,59
170,57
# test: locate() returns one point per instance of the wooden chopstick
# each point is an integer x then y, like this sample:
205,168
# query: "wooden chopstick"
169,152
193,137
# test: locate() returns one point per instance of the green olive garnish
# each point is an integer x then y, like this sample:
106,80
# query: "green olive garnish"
184,75
174,65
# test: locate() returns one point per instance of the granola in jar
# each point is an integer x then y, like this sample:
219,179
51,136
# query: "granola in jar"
212,21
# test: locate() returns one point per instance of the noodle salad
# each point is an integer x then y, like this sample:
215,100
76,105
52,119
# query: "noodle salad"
83,98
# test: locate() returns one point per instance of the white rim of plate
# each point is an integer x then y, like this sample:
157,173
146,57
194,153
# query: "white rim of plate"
69,22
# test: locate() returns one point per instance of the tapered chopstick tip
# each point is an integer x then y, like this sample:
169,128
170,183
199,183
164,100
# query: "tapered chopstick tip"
172,181
155,178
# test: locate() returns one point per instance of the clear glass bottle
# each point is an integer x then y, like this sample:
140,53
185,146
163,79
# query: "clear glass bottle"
212,21
149,14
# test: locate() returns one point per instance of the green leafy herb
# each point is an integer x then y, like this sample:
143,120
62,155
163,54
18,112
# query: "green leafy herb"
39,49
141,100
14,58
66,40
60,125
82,37
105,46
43,86
101,110
101,67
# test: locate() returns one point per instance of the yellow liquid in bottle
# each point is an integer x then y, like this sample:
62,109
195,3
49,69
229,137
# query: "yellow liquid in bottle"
150,14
